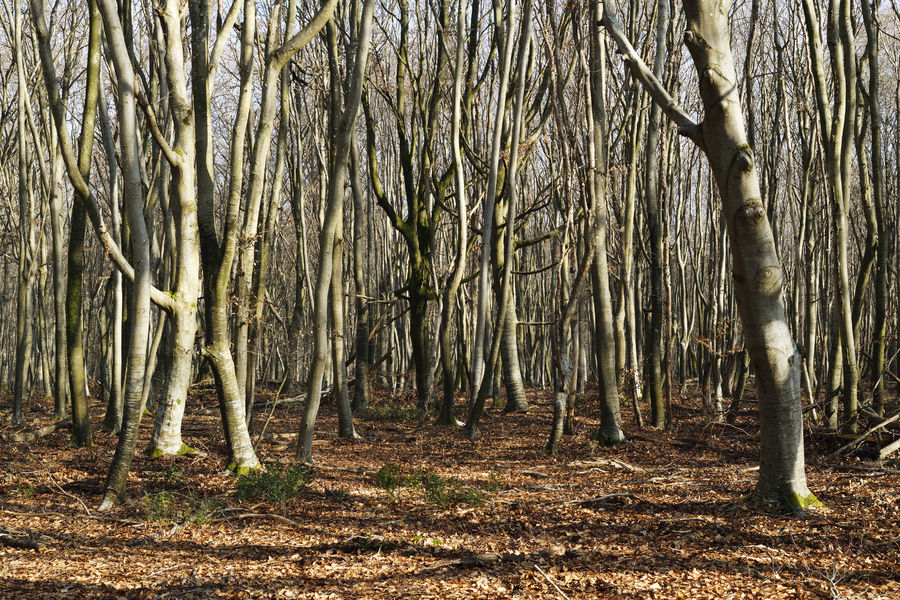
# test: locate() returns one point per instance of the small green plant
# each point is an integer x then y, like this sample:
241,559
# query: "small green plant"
159,507
438,490
201,512
494,482
166,507
434,486
390,477
27,491
276,483
170,479
391,412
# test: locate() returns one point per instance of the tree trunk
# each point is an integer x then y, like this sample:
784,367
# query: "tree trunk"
757,271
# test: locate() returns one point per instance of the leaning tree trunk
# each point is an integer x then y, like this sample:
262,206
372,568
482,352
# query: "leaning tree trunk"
757,269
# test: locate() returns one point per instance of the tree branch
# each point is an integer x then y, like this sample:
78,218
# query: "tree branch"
686,126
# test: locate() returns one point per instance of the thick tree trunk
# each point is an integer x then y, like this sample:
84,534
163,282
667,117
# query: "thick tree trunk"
757,270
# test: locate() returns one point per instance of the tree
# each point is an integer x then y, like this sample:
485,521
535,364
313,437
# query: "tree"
330,248
756,267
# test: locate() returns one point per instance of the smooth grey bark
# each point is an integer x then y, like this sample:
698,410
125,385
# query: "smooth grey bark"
756,267
115,405
139,311
24,300
218,257
653,338
836,129
484,288
512,187
61,372
884,237
166,436
275,60
447,416
78,169
609,432
345,124
362,342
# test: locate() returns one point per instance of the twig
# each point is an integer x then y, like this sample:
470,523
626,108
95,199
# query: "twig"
258,516
59,487
553,583
272,412
604,498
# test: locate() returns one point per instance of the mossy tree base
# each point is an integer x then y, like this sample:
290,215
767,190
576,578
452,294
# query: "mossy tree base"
788,501
76,443
183,450
237,470
607,439
516,408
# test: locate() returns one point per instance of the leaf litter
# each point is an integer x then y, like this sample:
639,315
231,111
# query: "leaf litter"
417,511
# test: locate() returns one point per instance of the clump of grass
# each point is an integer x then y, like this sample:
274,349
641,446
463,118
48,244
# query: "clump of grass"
276,483
390,477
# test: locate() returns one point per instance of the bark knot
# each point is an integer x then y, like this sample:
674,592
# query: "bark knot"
751,212
768,279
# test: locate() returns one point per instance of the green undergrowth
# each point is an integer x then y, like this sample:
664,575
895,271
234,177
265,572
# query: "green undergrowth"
435,488
275,482
167,506
174,500
394,413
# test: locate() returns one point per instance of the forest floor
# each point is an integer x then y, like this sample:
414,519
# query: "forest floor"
421,512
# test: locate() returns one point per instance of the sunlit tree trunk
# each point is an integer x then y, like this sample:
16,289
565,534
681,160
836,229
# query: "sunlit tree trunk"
345,124
756,267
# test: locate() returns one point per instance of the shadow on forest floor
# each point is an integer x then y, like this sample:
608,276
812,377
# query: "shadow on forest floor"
422,512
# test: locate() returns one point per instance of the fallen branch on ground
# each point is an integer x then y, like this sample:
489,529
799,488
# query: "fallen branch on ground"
7,539
33,435
869,432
